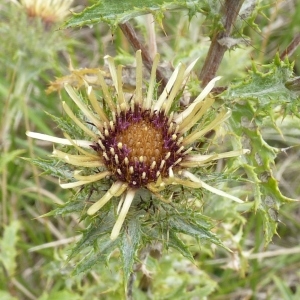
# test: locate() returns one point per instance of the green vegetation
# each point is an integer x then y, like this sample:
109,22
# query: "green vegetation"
202,245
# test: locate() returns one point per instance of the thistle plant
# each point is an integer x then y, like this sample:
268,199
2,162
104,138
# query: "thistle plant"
139,142
175,163
138,148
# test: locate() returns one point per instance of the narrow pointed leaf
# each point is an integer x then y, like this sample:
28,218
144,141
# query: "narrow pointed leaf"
102,226
185,225
178,245
101,256
129,244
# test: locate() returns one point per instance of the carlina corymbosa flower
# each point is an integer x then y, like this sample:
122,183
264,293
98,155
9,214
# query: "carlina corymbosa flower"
50,11
139,142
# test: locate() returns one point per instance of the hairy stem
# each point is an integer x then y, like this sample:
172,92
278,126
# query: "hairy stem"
137,44
230,10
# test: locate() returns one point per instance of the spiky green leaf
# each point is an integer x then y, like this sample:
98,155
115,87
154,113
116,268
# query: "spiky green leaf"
101,226
53,167
67,125
119,11
251,100
106,247
270,87
176,243
179,223
67,208
129,244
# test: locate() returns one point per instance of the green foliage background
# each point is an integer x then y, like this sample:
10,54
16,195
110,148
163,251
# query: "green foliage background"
37,255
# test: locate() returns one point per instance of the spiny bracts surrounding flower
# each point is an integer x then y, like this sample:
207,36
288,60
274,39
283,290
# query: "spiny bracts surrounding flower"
139,142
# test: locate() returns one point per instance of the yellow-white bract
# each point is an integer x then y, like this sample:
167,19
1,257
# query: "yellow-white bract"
50,11
139,141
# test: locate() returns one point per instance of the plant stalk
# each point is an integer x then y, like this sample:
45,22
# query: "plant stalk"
136,43
230,10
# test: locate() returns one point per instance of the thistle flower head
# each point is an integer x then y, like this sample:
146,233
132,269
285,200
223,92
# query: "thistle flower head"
139,141
50,11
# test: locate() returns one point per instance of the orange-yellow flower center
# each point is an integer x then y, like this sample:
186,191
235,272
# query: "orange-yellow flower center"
140,146
143,140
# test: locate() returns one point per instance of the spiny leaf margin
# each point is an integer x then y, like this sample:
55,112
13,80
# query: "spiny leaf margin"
120,11
251,100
